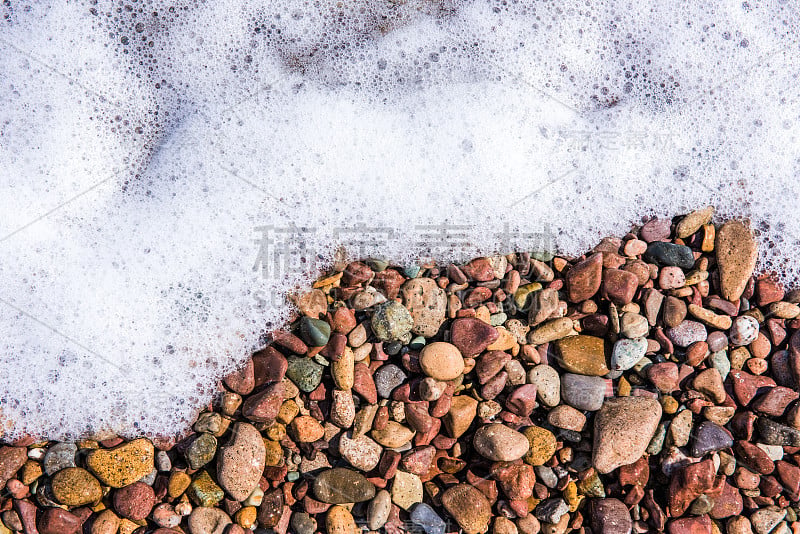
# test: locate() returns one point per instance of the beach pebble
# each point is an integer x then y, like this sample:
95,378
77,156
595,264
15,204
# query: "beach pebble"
619,286
201,450
632,325
122,465
737,250
709,437
458,419
393,435
305,373
583,355
361,452
263,407
441,361
610,516
687,332
57,521
627,352
583,392
743,331
74,486
406,490
472,336
315,332
469,507
542,445
59,456
766,519
135,501
567,417
341,486
387,378
427,304
551,510
303,523
426,518
547,384
391,321
208,521
622,431
500,443
670,254
583,279
241,461
379,509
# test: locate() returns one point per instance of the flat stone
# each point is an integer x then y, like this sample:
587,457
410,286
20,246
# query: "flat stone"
489,364
583,392
551,330
728,503
263,407
670,254
406,490
74,486
471,335
391,321
664,376
737,252
269,365
418,460
690,482
458,419
610,516
393,435
208,521
343,409
765,520
303,523
469,507
522,400
772,433
709,383
379,509
441,361
341,486
753,457
632,325
242,381
500,443
692,222
57,521
747,386
775,401
675,311
656,230
690,525
516,480
304,373
427,304
241,461
543,304
387,378
567,417
627,353
619,286
623,429
315,332
583,279
201,450
583,355
11,460
709,437
551,510
135,501
122,465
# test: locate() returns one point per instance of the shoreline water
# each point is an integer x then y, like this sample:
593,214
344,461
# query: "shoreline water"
648,385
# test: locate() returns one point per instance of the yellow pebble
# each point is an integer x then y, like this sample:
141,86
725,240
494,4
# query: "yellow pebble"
288,411
246,517
623,387
126,526
505,340
669,404
178,482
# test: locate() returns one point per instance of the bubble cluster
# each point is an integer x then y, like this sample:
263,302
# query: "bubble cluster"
152,153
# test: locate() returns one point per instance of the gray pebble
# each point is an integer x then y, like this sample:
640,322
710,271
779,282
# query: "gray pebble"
388,377
424,517
163,463
546,475
58,457
583,392
551,510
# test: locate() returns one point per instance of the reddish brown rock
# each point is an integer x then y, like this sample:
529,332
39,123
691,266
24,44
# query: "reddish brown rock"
418,460
789,476
675,311
522,400
471,336
664,376
728,503
11,460
58,521
709,383
747,386
417,416
263,407
690,525
637,473
479,269
363,384
489,364
388,282
768,290
289,341
584,278
356,273
469,507
610,516
775,401
753,457
243,380
692,481
619,286
516,480
269,365
135,501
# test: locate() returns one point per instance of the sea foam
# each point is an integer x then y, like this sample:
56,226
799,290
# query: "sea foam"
170,171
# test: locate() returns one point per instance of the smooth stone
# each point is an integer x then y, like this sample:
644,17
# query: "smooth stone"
74,486
426,518
709,437
627,352
339,520
364,383
583,355
391,321
737,251
204,520
406,490
343,409
343,370
551,330
583,392
387,378
543,304
584,279
692,222
623,429
765,520
361,452
690,525
204,490
720,362
303,523
393,435
522,401
441,361
687,332
542,445
472,336
610,516
743,331
500,443
264,406
634,325
57,521
315,332
670,254
469,507
427,304
201,450
241,461
134,502
619,286
122,465
304,373
656,230
11,460
680,428
675,311
342,486
489,364
59,456
306,429
567,417
378,510
548,384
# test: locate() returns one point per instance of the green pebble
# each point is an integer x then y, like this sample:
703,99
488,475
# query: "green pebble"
322,360
377,265
201,451
204,491
417,343
720,361
292,476
412,271
497,319
304,372
657,442
542,256
315,332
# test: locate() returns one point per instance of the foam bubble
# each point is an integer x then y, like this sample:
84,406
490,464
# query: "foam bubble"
170,172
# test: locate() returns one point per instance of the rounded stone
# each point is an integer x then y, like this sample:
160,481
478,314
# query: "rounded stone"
135,501
315,332
406,489
306,429
622,431
361,452
743,331
342,486
583,355
469,507
241,461
201,450
122,465
378,510
205,520
634,325
427,304
500,443
59,456
391,321
583,392
305,373
387,378
627,353
687,332
548,384
610,516
74,486
441,361
339,520
542,445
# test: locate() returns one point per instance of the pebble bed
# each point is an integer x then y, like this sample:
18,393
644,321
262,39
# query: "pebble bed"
648,386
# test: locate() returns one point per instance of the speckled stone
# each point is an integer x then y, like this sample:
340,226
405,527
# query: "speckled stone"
500,443
622,431
469,507
74,486
391,321
341,486
387,378
305,373
122,465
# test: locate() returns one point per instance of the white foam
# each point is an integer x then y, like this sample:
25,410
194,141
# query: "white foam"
143,147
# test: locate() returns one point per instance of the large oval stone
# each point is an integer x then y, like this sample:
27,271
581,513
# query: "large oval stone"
341,486
123,465
499,443
241,461
469,507
623,429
